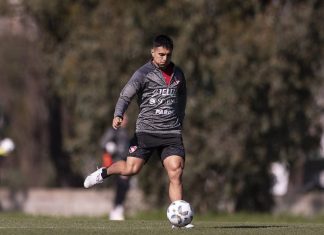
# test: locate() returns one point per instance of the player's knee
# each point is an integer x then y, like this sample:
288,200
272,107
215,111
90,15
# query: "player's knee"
175,174
132,170
135,170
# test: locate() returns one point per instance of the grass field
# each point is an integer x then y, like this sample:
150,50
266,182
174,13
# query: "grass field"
154,223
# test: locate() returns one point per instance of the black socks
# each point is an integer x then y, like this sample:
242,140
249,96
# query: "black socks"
104,173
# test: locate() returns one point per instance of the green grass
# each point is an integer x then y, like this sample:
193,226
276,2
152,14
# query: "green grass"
154,223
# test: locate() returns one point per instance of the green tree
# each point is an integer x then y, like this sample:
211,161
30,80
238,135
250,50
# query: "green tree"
251,111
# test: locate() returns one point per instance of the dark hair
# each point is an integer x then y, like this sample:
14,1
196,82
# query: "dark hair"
163,41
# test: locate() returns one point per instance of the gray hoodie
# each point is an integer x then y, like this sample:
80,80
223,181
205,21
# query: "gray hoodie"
162,106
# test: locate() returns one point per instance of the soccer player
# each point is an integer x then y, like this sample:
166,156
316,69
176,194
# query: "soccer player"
160,87
115,145
6,144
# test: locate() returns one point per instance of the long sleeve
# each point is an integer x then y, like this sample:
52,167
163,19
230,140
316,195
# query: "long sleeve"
129,91
182,100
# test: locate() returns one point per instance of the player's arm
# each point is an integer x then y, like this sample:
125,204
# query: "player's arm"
182,99
126,96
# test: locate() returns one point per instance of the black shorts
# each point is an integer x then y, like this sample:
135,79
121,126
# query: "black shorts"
143,145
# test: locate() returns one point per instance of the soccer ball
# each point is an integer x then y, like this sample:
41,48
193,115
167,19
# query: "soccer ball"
180,213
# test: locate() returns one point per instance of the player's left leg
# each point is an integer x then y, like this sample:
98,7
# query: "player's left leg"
174,166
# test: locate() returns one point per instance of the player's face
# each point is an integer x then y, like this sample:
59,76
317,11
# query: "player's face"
161,56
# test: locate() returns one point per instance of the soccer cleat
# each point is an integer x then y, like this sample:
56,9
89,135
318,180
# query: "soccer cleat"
94,178
188,226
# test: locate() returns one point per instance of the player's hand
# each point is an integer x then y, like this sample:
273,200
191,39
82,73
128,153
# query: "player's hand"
117,121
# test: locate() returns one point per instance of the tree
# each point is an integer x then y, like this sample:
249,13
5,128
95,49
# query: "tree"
252,71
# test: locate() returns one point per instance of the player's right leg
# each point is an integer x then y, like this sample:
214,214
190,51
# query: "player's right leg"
131,166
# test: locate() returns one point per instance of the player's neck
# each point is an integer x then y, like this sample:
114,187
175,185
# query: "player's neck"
165,68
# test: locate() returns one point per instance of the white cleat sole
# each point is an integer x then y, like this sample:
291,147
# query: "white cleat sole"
188,226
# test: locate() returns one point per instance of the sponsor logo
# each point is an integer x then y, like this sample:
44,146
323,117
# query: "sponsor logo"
171,101
152,101
165,92
132,149
163,111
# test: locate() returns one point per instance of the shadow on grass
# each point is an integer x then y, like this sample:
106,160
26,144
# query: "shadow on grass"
249,226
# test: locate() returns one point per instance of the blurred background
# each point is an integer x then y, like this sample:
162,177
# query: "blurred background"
254,116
